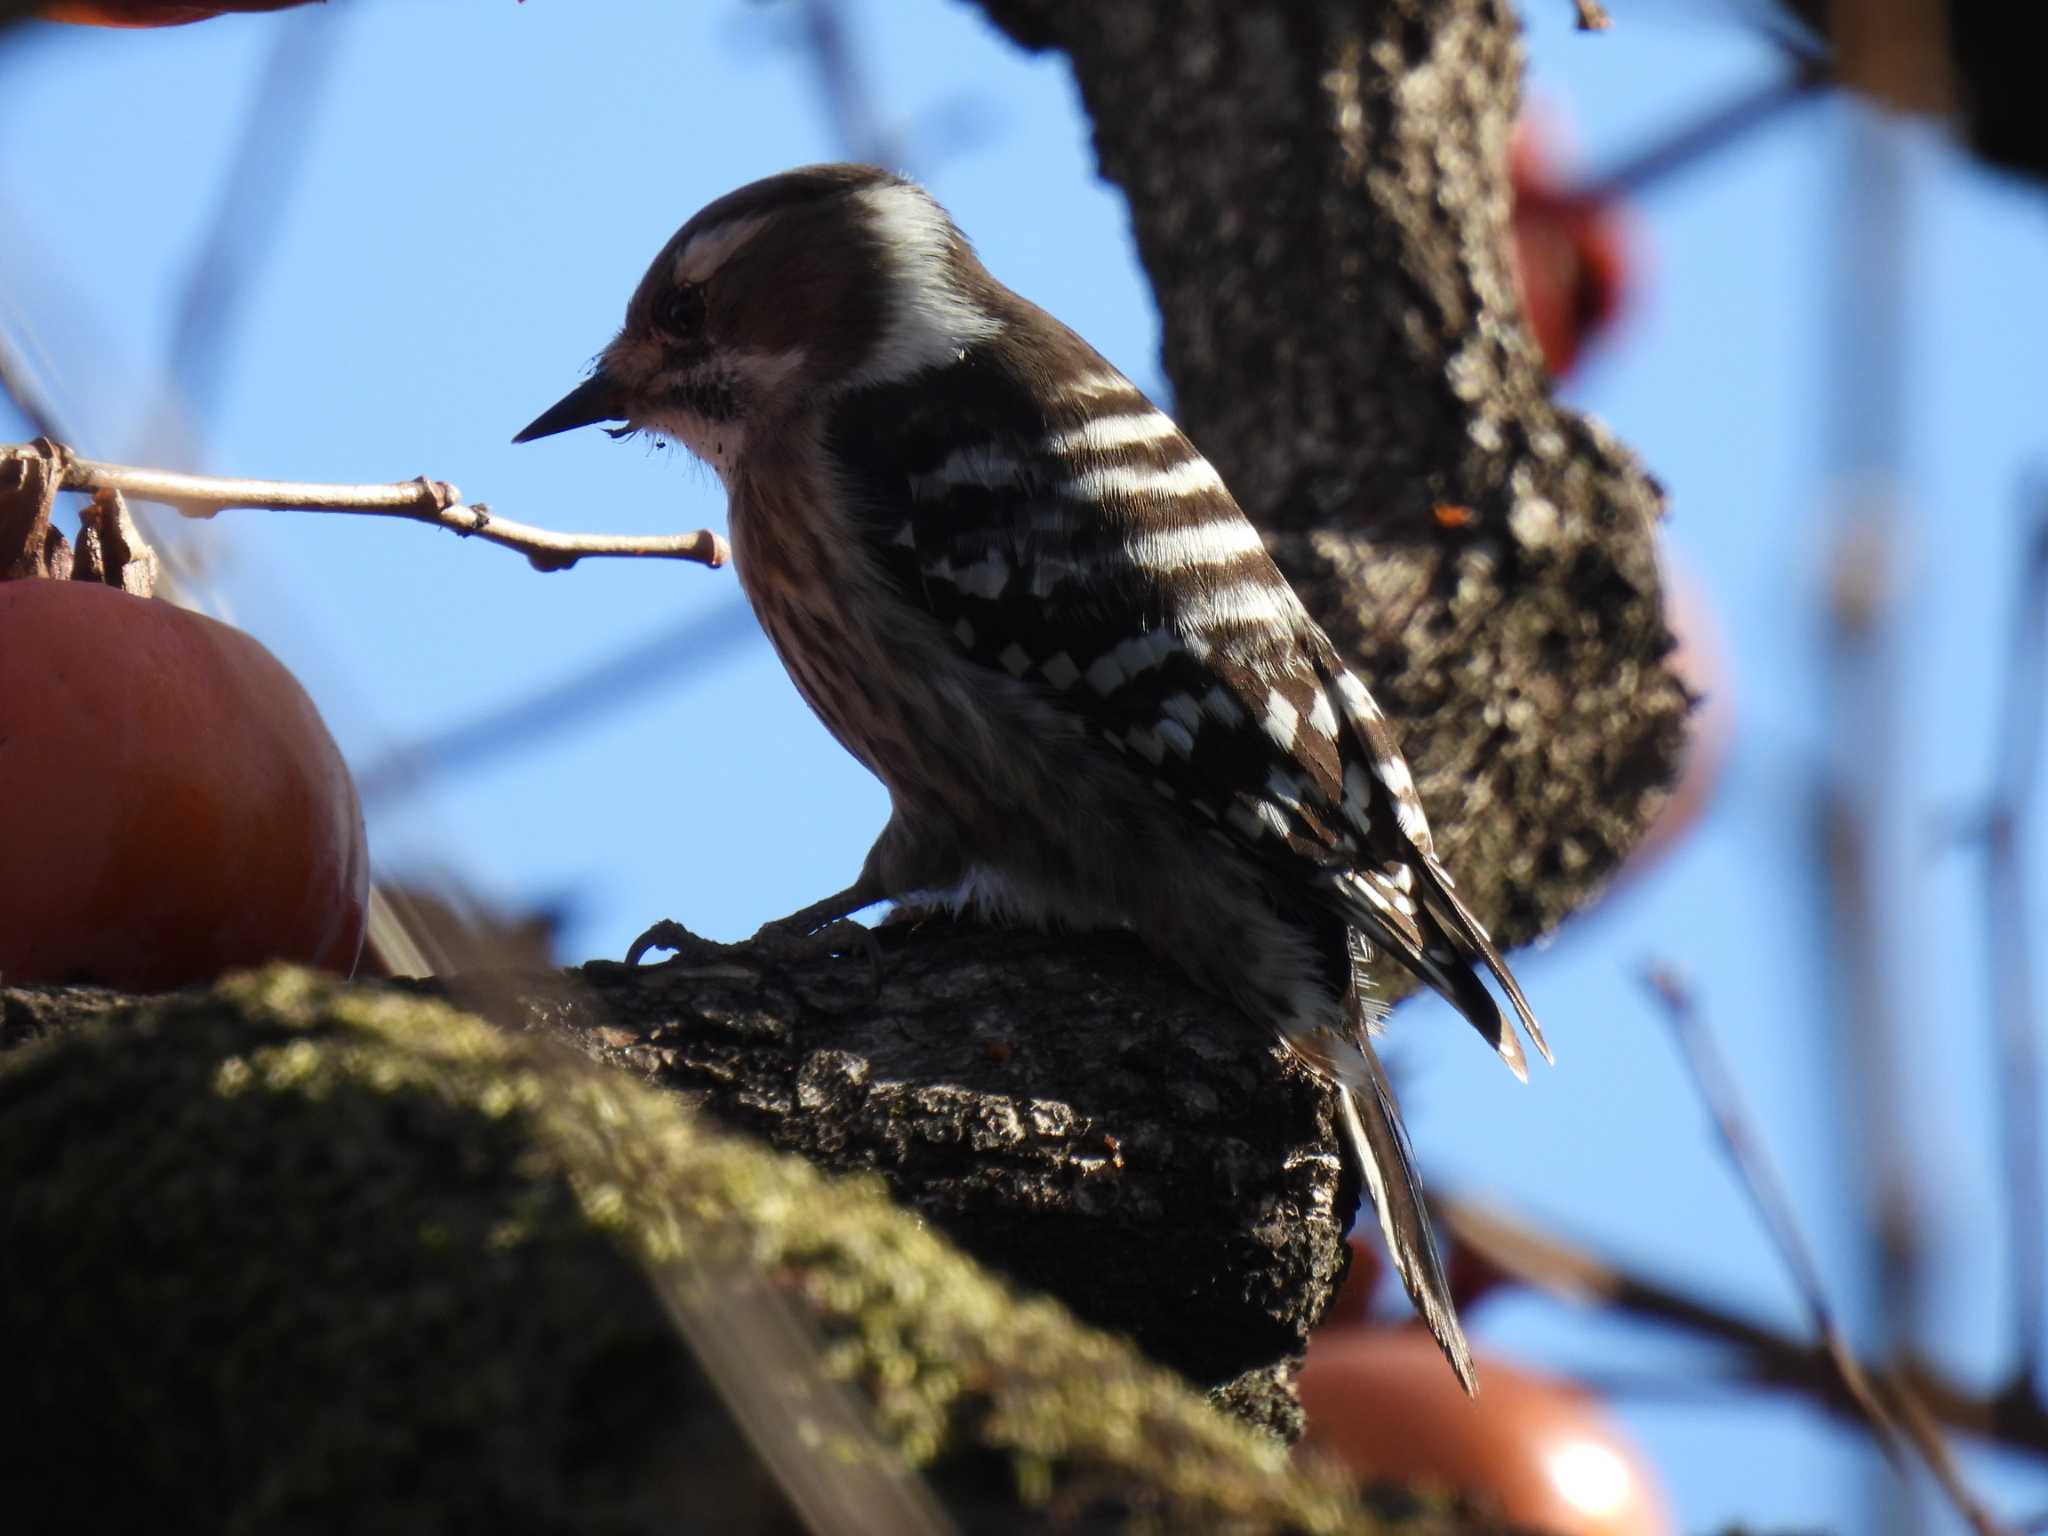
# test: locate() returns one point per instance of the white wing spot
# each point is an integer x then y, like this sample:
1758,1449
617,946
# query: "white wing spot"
1416,825
1100,382
1322,716
1244,820
1106,434
1106,675
1146,744
980,464
985,579
1193,478
1014,660
1264,602
1060,671
964,633
1285,789
1282,720
1203,544
1273,817
1182,707
1222,703
1356,699
1177,736
906,536
1358,796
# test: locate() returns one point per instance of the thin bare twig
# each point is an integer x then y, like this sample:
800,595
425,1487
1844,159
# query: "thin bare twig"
1718,129
632,675
1571,1273
1899,1420
434,502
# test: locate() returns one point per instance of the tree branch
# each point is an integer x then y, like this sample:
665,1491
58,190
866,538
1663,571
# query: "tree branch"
434,502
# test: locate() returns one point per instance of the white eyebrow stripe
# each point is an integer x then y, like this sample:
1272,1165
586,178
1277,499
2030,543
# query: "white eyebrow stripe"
1195,477
1106,434
707,252
1201,544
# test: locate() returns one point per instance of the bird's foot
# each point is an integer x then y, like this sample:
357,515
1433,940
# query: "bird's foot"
793,940
672,935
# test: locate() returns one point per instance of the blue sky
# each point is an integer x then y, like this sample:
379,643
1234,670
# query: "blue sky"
481,187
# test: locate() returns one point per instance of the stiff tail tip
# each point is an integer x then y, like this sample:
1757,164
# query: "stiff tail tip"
1372,1127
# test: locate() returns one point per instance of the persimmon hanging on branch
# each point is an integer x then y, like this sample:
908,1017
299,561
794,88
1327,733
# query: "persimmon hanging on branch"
171,805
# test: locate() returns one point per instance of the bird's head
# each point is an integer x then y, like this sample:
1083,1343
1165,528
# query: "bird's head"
777,297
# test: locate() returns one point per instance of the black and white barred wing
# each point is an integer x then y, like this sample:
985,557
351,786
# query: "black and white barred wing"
1071,537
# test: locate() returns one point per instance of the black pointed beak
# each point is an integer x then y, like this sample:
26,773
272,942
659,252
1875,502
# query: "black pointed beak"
595,399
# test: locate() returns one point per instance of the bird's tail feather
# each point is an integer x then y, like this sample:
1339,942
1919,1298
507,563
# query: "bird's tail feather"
1444,904
1372,1128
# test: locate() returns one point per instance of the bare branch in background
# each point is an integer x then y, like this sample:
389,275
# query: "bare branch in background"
850,99
1897,1417
18,379
434,502
677,653
2010,934
1572,1273
1714,132
254,187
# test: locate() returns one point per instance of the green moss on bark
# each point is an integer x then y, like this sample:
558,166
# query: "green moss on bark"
295,1256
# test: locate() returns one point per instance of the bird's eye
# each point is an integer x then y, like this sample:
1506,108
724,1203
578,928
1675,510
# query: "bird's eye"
682,311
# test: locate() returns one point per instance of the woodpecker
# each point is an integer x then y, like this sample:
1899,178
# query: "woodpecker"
1011,587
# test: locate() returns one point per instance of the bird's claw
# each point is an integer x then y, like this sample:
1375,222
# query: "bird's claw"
668,934
788,942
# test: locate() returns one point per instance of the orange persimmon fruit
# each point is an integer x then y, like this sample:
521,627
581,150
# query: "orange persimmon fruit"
1531,1450
171,804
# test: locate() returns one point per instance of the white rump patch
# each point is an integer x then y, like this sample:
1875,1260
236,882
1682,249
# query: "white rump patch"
930,321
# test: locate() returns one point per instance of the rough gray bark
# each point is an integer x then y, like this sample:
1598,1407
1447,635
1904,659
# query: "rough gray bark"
1058,1107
